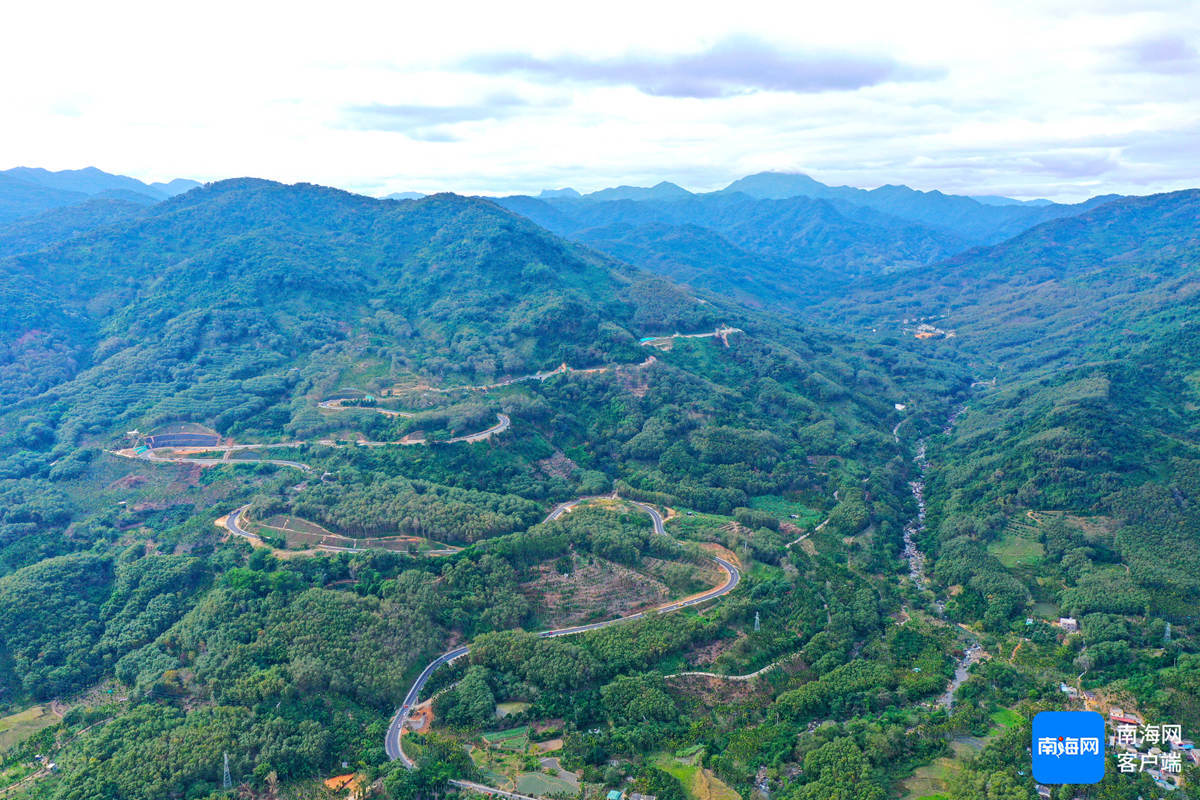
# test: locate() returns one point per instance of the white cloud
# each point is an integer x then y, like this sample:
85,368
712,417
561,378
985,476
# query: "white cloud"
1065,100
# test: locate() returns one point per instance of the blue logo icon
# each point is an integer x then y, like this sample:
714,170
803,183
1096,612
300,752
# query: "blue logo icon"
1068,747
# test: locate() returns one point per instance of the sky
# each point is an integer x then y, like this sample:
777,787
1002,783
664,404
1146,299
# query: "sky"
1062,99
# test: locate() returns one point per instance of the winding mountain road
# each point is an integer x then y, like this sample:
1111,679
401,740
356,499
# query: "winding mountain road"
152,455
340,405
503,423
393,742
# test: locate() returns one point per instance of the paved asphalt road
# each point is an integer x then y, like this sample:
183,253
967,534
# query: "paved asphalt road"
234,523
500,427
392,743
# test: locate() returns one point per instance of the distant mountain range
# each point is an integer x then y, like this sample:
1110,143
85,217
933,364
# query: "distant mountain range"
1107,278
796,235
27,191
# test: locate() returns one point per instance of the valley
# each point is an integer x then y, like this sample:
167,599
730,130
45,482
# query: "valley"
774,542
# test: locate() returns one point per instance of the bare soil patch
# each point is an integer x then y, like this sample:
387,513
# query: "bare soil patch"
595,589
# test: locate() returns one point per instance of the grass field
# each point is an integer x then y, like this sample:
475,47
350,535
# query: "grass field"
932,781
511,739
16,728
512,733
699,783
504,709
1007,718
686,527
783,509
1047,610
1017,551
1018,545
540,784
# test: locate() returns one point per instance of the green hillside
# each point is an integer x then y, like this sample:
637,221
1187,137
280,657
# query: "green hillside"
416,385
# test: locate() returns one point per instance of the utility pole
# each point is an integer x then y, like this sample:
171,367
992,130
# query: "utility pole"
227,780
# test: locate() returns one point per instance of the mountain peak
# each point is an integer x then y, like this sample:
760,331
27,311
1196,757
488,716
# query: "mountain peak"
663,190
778,186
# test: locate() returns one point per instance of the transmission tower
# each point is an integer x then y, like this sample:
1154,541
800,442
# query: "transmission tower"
227,780
756,622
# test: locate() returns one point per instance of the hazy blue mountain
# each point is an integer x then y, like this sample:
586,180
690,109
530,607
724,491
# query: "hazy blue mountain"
781,185
544,212
174,187
20,198
403,196
974,220
997,200
702,258
776,236
800,243
26,191
93,181
566,191
664,190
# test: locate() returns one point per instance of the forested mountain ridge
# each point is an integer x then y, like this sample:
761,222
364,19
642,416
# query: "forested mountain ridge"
809,244
967,217
1066,286
276,272
775,228
238,305
58,224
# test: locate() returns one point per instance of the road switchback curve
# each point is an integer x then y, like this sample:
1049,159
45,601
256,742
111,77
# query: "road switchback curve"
393,742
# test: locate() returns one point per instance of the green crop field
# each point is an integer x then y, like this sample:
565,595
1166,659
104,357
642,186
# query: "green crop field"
783,509
15,728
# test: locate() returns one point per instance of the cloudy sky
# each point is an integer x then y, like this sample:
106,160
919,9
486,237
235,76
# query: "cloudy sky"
1060,98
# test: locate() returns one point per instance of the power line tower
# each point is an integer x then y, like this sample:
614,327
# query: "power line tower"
227,780
756,622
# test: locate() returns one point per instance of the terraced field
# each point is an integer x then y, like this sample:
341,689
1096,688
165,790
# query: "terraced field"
1019,545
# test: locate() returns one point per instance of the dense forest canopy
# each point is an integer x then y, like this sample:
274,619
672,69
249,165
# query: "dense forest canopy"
394,398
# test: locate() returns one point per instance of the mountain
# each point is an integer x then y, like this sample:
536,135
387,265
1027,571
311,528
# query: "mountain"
564,192
58,224
1100,279
889,511
404,196
19,198
997,200
1075,460
971,219
665,190
699,257
25,191
782,185
272,272
174,186
805,244
781,239
91,181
